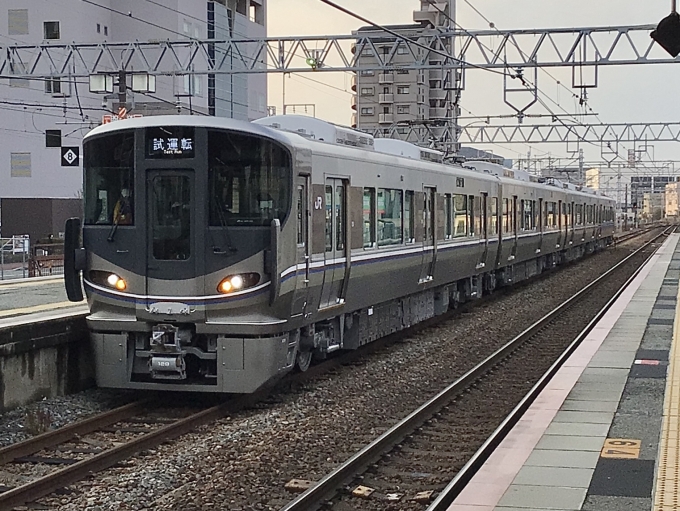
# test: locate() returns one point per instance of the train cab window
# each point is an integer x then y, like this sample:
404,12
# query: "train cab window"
249,180
448,210
460,216
389,217
109,179
369,217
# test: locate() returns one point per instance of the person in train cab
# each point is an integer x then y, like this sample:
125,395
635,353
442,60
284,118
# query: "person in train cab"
122,212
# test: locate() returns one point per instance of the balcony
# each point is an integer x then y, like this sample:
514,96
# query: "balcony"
438,113
386,78
386,118
436,74
437,94
354,120
354,83
386,98
354,102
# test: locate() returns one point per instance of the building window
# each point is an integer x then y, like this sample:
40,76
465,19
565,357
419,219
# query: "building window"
99,28
367,52
106,30
367,72
367,91
403,90
17,22
20,164
53,138
51,29
403,109
402,131
19,68
403,71
53,85
367,111
402,50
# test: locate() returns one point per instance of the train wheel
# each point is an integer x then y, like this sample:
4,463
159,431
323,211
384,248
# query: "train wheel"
303,360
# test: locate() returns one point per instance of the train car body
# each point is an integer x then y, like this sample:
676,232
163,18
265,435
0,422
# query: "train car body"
219,254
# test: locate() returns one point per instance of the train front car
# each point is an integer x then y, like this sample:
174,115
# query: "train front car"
182,232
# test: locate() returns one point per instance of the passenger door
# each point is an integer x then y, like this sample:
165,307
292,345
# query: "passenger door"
336,262
300,296
172,258
429,234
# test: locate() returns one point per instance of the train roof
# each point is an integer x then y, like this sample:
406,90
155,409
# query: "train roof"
317,135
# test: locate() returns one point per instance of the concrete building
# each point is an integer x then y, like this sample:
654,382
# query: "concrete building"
42,117
672,195
652,206
402,98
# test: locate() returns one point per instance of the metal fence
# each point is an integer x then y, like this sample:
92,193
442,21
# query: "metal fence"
46,259
20,259
14,255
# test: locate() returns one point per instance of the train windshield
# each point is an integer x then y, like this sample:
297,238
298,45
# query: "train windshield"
249,180
109,183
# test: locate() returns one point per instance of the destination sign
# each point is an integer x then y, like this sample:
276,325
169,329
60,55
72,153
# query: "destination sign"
170,142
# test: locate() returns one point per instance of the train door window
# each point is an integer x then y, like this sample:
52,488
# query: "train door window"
448,206
493,219
171,218
505,222
301,215
460,216
540,214
409,217
329,218
369,217
428,214
471,215
513,214
389,217
536,214
340,217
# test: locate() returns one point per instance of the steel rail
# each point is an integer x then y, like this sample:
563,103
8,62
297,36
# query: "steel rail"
357,464
66,433
60,478
463,477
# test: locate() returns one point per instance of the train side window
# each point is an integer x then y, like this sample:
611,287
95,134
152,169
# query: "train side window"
389,217
369,217
409,217
448,206
460,216
493,219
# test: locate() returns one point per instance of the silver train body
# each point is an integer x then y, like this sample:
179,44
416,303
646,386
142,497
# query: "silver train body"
219,254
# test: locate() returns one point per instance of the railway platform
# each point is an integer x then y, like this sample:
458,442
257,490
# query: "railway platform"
19,297
605,432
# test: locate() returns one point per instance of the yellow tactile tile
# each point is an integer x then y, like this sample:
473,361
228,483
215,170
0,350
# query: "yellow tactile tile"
667,488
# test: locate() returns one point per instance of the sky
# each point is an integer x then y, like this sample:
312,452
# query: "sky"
628,94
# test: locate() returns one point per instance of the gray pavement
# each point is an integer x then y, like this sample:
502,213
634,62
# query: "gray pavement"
29,296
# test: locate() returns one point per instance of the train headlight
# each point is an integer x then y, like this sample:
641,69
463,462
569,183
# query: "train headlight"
108,279
237,282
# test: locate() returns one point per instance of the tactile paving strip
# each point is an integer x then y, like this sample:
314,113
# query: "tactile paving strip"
667,491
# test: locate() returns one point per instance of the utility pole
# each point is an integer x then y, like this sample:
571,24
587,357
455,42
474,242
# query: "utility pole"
122,89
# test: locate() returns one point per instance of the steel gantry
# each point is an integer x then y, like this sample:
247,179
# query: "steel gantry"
594,46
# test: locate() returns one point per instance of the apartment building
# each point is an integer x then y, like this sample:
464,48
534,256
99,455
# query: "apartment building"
391,103
42,116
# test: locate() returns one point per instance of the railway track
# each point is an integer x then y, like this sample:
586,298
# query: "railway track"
77,453
416,461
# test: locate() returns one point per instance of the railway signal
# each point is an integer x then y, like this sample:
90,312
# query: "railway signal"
667,34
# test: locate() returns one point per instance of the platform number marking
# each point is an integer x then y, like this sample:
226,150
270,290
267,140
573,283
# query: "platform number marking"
621,448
